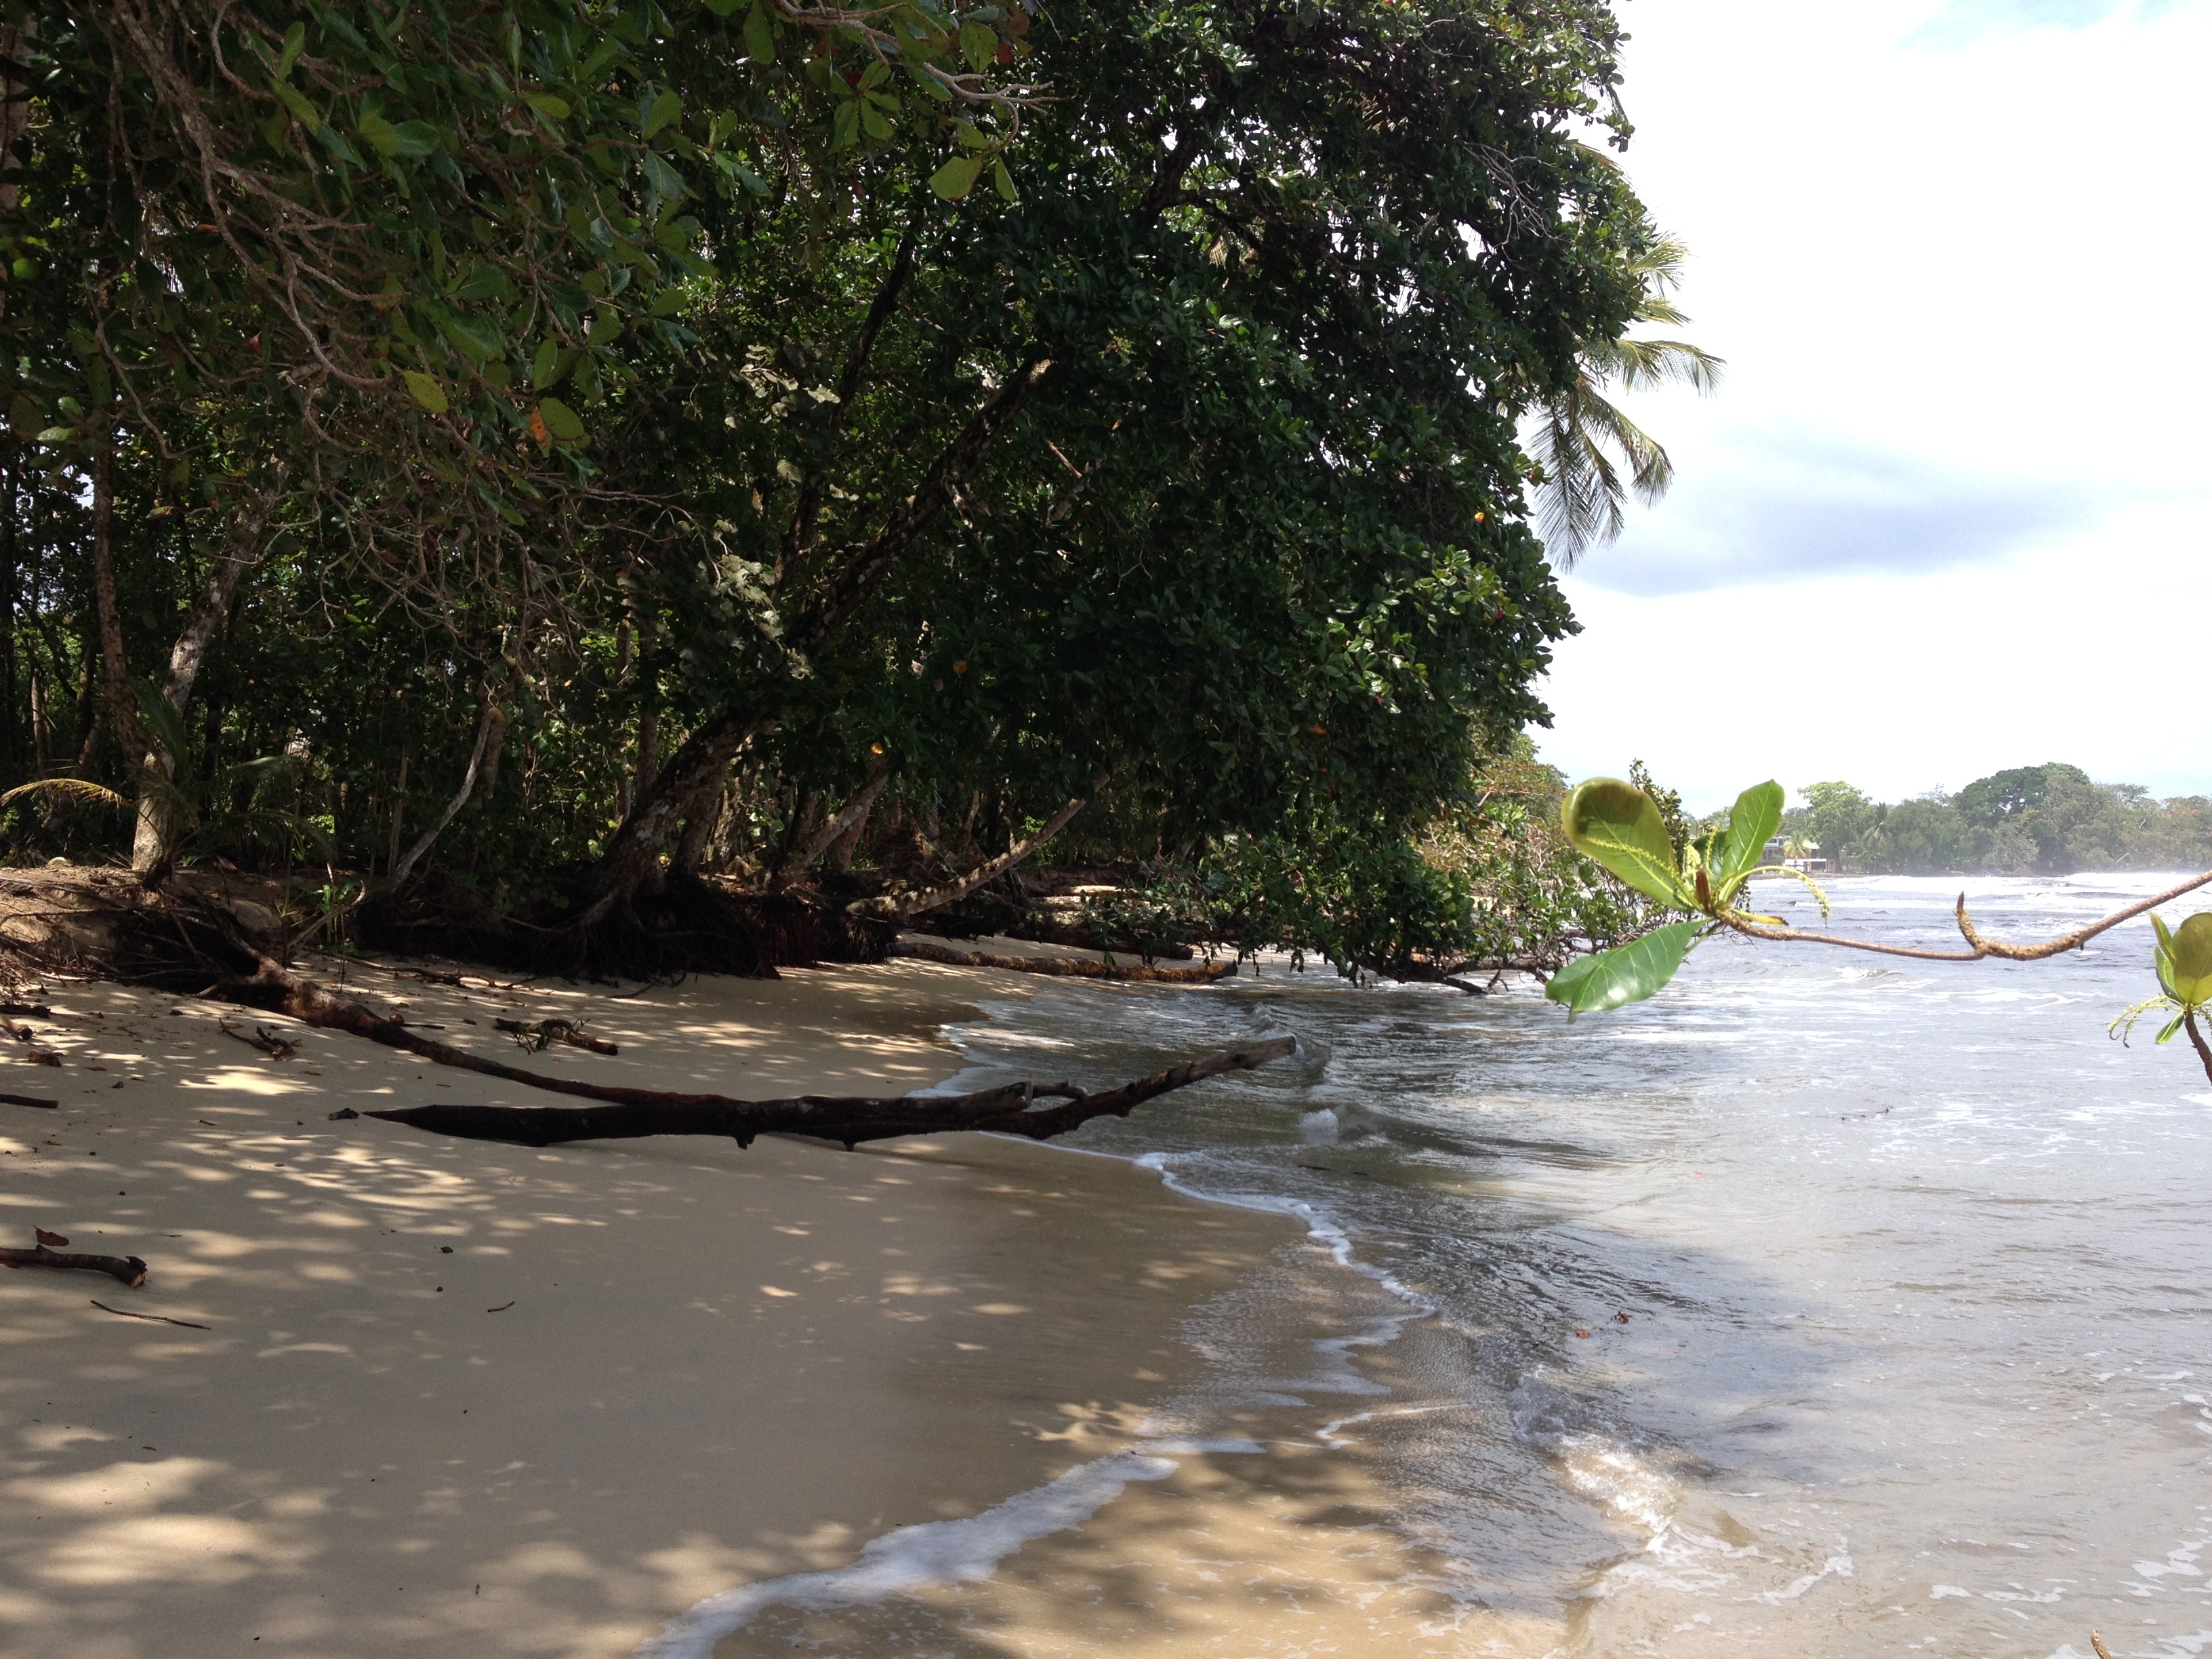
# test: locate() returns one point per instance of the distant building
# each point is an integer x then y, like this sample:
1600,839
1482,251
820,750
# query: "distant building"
1778,852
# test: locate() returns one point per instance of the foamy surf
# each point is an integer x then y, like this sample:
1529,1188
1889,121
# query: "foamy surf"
912,1558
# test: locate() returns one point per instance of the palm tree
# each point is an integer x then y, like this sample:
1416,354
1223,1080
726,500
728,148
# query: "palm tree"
1582,439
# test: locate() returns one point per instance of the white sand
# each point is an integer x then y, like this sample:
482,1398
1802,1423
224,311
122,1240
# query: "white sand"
706,1366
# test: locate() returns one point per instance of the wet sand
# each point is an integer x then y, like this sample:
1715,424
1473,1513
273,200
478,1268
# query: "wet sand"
456,1399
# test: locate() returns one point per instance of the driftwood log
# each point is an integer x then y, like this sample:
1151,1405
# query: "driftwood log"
1063,967
127,1268
1012,1109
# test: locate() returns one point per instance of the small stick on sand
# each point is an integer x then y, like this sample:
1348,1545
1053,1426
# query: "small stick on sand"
162,1319
30,1100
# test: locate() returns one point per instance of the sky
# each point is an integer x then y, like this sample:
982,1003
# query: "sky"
1948,511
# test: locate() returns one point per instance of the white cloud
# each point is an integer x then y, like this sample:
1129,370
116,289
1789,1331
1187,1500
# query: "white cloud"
1948,507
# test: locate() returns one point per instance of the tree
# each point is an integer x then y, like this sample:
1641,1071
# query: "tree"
1578,430
1838,816
380,266
1241,416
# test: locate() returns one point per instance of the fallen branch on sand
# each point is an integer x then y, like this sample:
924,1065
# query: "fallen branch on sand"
127,1268
30,1100
270,1044
1006,1110
1065,967
1009,1109
545,1032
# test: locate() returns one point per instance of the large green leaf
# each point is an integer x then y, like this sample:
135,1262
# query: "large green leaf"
957,177
1617,824
2186,969
1626,973
1751,824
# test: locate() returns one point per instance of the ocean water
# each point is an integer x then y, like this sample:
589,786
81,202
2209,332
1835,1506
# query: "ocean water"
1827,1305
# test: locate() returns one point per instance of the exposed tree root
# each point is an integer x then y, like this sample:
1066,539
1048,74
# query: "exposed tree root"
687,926
1064,967
1009,1110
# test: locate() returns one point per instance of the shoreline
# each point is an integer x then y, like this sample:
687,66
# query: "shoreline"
766,1359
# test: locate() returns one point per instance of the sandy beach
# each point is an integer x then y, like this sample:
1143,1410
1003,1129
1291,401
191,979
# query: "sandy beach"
459,1399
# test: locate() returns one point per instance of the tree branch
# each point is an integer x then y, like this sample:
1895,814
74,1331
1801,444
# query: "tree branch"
1063,967
803,855
850,588
1978,947
490,726
1008,1109
127,1269
2197,1040
903,905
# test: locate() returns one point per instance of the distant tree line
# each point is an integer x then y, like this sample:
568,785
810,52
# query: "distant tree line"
2027,820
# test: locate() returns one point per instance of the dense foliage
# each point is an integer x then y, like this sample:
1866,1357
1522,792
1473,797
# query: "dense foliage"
2027,820
610,438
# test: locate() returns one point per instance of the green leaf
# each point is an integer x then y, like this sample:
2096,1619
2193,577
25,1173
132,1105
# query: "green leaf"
872,122
1626,973
471,337
428,392
723,7
57,434
1617,824
415,138
562,421
483,282
978,45
1004,179
295,38
335,142
665,108
1753,821
545,367
845,129
957,178
2173,1028
379,134
2189,957
929,83
760,36
546,104
303,112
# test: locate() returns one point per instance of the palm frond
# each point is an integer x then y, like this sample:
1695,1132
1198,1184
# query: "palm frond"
1662,363
69,788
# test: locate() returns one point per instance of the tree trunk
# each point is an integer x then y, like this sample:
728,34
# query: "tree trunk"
11,747
118,676
799,857
796,853
847,845
903,906
694,773
483,758
155,847
648,716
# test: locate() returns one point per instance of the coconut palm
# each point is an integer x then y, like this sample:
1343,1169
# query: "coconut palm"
1583,439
